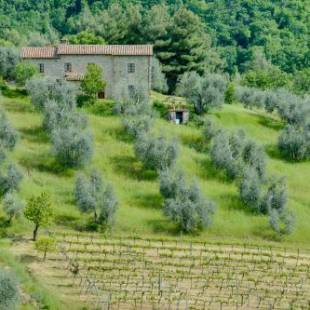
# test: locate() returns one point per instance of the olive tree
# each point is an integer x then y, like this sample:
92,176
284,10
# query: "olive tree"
43,89
9,58
156,153
10,181
8,135
251,192
9,292
72,146
12,206
39,211
282,221
189,209
204,92
95,195
293,143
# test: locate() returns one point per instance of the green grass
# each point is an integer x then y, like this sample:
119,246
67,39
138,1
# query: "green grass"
138,190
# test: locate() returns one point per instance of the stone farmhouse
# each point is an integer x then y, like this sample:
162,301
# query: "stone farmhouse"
126,68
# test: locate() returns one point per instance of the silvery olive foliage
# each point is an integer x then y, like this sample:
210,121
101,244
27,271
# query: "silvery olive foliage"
95,195
184,204
72,147
9,292
157,153
204,92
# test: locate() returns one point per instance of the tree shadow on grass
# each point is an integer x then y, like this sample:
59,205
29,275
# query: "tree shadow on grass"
14,92
270,122
164,226
196,143
44,163
208,171
233,202
130,167
35,134
148,201
120,134
19,107
266,233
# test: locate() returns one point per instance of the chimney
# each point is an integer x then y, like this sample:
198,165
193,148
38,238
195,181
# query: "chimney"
64,41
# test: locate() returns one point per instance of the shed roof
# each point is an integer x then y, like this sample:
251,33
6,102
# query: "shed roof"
72,49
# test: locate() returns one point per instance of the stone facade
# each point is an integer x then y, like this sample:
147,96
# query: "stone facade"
123,73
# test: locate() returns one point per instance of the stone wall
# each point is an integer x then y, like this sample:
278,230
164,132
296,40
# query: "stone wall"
115,71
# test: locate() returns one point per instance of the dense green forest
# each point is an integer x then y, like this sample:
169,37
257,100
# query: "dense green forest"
199,35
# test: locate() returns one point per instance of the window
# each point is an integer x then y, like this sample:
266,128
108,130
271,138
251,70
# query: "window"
68,67
41,68
131,90
131,68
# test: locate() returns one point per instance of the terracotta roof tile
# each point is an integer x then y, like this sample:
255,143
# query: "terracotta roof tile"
69,49
39,52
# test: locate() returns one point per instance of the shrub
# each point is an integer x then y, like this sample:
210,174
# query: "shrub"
189,209
156,153
25,71
293,143
39,211
94,195
72,147
12,206
9,292
230,93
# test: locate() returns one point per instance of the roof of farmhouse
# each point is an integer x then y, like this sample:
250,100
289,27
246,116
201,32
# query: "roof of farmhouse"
70,49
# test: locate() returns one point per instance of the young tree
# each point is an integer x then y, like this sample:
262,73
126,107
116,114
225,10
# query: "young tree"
92,82
12,206
9,292
94,195
45,244
24,72
72,147
156,153
39,210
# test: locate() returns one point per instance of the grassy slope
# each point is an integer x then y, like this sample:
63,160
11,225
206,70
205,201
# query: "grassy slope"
140,203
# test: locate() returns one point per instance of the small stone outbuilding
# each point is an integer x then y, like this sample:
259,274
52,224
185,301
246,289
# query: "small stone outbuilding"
178,116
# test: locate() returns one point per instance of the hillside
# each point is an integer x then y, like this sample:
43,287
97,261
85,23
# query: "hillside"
140,203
